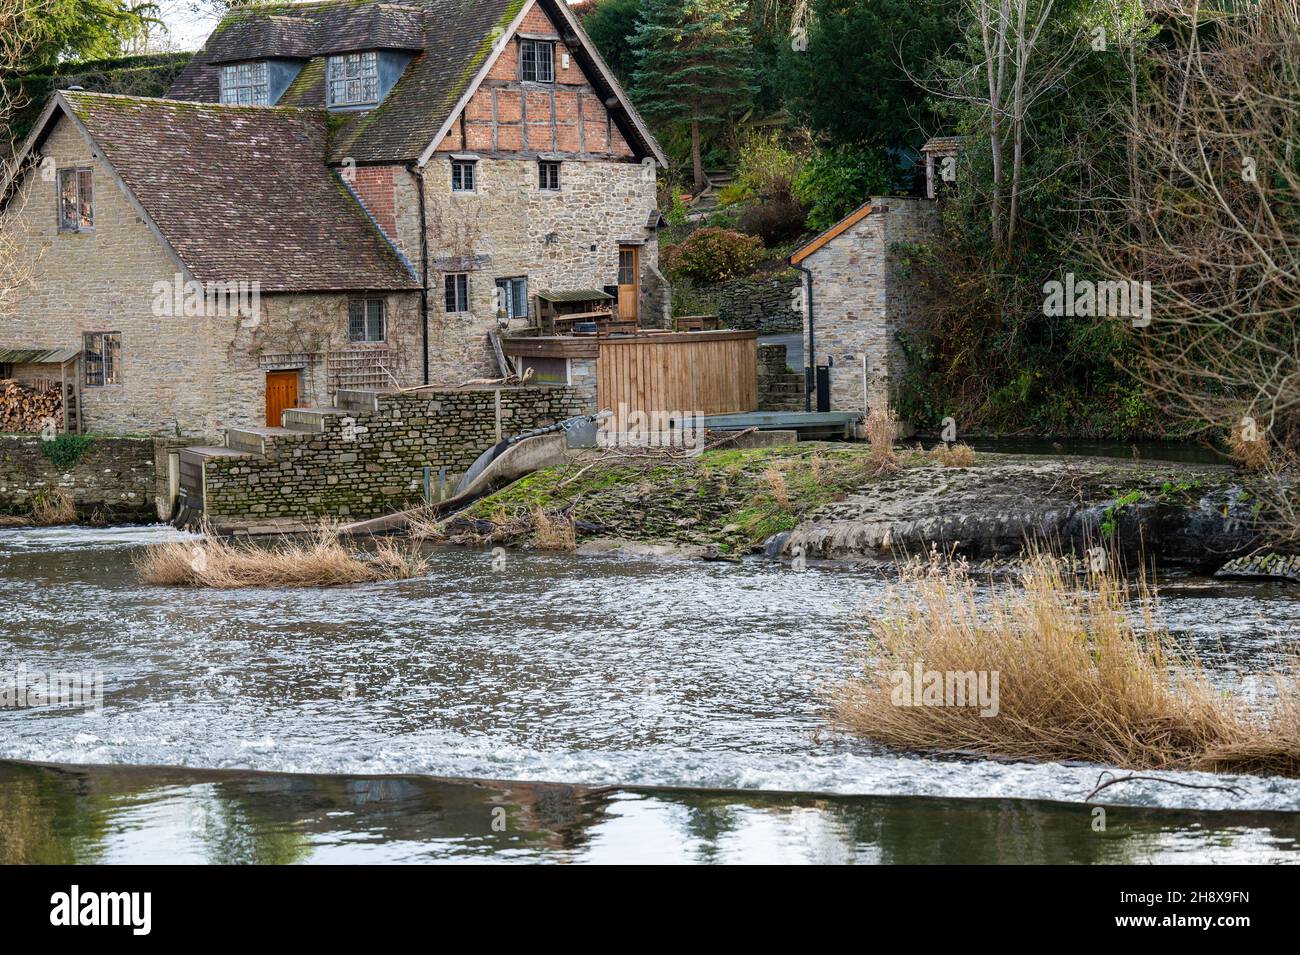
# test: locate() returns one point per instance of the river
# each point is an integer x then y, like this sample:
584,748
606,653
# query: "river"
667,681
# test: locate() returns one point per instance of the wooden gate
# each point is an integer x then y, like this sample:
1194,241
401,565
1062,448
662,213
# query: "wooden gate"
680,373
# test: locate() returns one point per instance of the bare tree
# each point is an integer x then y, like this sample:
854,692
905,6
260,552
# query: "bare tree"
1212,221
1014,70
19,21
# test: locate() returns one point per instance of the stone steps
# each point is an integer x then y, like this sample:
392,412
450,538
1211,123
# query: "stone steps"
255,440
313,420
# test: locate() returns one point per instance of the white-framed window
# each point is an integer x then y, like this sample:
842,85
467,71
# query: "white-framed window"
548,175
463,175
352,79
76,200
244,84
103,358
456,288
512,297
537,61
366,320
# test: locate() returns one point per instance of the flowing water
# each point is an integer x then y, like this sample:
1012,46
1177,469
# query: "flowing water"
582,671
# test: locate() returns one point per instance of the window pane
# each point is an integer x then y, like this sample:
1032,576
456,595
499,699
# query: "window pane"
112,359
86,200
375,319
356,322
353,79
519,307
68,198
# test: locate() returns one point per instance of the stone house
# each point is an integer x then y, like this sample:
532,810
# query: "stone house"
860,299
334,195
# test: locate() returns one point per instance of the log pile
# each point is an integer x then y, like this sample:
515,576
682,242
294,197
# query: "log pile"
25,409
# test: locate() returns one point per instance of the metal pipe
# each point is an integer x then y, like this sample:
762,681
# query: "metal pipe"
809,363
418,173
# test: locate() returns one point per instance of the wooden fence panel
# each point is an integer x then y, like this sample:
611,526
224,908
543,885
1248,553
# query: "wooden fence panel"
687,373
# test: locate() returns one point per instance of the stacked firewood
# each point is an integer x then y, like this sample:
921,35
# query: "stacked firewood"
28,409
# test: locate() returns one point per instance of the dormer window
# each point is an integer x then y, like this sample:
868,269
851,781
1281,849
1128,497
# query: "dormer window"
352,79
244,84
537,59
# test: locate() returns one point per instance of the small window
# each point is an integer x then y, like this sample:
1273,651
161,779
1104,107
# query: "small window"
352,79
538,59
244,84
462,175
512,297
103,358
76,200
366,320
457,287
548,176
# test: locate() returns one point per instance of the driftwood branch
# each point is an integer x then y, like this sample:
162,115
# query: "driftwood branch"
1134,777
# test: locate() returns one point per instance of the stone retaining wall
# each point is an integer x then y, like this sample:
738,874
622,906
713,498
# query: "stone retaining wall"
372,463
758,303
115,481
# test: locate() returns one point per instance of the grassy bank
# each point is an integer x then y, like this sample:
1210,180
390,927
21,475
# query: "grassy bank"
731,499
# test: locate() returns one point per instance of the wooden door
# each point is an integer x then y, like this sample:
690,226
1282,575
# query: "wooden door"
629,282
281,393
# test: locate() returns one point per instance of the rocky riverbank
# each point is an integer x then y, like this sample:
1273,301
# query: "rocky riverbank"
837,502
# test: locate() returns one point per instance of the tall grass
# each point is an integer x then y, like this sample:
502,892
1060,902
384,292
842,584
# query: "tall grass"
882,432
953,455
1086,671
554,532
320,560
53,506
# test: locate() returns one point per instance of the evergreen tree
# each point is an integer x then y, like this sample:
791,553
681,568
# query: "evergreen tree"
693,65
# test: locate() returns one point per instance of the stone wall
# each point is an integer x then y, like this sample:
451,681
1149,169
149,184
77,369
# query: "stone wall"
864,297
509,228
372,462
115,481
763,303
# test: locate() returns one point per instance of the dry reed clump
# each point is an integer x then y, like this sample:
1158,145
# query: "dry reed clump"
776,483
882,432
1251,451
953,455
319,561
1084,671
53,506
554,532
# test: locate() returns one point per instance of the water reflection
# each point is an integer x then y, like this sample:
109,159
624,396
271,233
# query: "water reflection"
51,814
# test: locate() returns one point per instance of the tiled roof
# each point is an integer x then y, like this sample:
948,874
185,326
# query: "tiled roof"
451,40
455,37
242,193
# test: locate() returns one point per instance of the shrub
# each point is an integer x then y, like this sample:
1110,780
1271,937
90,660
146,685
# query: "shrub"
713,255
767,167
776,220
837,181
65,450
